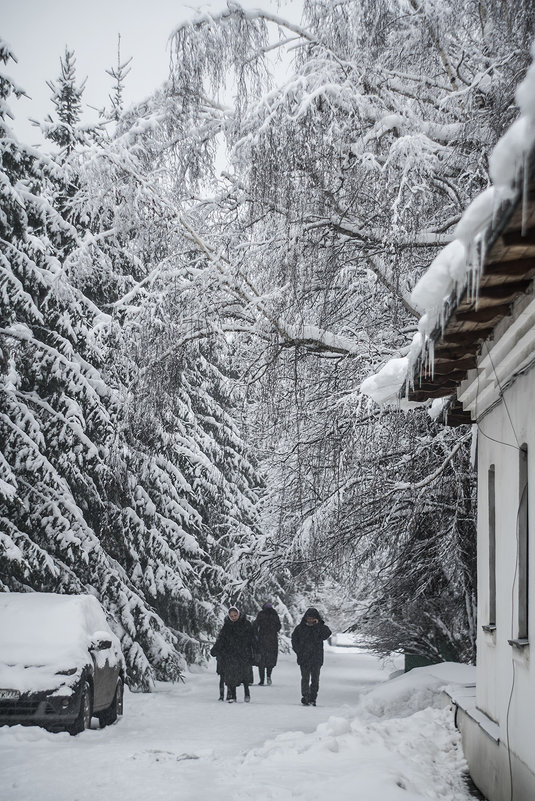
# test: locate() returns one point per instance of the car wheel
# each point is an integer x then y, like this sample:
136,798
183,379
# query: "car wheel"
83,719
115,709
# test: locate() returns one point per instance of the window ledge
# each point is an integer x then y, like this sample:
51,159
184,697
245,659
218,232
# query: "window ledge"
490,629
521,643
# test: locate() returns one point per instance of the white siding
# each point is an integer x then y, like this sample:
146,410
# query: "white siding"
505,673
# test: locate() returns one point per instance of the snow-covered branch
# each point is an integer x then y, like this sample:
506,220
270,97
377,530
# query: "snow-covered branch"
424,482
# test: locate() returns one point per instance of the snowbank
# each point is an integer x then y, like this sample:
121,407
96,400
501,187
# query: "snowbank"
401,745
415,691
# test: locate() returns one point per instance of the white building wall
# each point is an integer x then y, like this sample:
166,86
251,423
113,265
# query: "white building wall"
505,684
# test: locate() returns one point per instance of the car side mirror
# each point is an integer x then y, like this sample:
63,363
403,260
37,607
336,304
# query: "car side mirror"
100,641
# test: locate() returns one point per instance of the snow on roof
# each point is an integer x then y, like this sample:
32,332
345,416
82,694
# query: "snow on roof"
451,269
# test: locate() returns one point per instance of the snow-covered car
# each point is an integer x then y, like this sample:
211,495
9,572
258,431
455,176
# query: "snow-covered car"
60,663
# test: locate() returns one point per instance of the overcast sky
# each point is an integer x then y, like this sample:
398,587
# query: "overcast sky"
39,30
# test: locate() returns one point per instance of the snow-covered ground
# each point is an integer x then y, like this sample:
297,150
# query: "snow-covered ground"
371,738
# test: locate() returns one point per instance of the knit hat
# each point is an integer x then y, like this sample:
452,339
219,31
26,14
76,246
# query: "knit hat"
233,608
312,612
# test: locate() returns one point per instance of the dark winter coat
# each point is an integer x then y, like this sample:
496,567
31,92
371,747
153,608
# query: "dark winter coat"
307,641
234,650
266,628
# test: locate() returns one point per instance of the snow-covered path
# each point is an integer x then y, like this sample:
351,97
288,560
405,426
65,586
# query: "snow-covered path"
182,743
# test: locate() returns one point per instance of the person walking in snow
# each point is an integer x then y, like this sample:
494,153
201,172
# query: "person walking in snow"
234,652
307,642
266,628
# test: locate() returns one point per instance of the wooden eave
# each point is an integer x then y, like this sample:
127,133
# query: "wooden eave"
507,272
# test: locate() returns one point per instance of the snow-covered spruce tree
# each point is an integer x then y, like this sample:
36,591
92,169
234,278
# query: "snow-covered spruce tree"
68,135
180,421
61,447
119,73
64,128
36,355
344,180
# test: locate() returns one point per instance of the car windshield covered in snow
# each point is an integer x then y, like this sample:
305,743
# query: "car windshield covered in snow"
59,661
